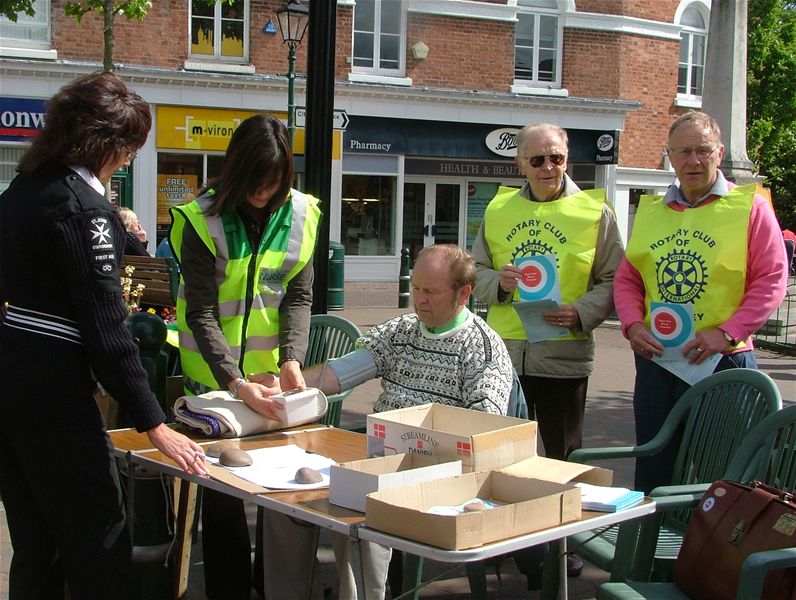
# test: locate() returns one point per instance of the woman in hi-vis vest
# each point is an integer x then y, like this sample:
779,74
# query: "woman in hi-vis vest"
245,247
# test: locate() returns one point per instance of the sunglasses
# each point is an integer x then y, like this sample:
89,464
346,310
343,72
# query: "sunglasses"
538,161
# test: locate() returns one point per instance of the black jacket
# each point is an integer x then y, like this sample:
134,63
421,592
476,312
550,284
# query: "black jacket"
60,248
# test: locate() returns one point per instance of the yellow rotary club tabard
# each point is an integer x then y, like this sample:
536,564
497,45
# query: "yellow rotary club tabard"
696,256
567,227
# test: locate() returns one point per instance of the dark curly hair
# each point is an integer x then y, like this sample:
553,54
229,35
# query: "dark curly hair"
88,122
259,153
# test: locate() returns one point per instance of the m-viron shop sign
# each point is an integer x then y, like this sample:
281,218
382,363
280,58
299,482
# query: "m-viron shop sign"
20,118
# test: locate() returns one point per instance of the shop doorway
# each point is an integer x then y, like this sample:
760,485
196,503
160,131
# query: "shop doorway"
432,213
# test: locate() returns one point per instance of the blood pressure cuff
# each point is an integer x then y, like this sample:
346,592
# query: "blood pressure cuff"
354,368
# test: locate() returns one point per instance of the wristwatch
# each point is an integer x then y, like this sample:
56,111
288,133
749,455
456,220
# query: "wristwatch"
728,337
233,393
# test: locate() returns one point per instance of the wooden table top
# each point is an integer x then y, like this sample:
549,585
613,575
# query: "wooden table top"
338,444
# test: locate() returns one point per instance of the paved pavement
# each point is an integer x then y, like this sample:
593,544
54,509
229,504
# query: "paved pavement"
609,421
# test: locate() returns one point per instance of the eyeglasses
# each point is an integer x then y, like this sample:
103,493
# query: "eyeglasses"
683,153
538,161
131,156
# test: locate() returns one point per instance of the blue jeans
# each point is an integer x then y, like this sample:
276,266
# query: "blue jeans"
656,392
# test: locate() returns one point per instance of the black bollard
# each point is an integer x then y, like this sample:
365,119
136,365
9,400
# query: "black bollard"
404,279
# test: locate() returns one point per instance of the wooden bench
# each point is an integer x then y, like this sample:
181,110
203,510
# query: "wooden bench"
159,276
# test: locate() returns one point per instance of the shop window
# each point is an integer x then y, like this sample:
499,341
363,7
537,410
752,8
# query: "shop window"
178,180
379,31
28,32
693,47
367,225
220,31
537,44
9,158
584,176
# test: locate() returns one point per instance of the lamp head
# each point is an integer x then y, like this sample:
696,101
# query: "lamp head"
293,19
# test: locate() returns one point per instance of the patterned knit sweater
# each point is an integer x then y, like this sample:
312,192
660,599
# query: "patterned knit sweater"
467,366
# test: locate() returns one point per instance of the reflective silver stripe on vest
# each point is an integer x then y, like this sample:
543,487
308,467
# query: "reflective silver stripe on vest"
215,227
43,323
188,342
298,221
231,308
262,342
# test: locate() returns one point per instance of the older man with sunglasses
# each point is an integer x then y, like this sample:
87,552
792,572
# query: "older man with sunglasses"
550,215
708,243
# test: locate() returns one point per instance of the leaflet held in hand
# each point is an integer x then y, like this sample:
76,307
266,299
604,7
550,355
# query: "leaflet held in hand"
540,291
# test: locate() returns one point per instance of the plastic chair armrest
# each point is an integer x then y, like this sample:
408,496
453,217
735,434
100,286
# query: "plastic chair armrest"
678,490
756,567
664,503
586,455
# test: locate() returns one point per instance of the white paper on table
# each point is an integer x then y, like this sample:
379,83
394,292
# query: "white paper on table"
276,467
673,326
536,328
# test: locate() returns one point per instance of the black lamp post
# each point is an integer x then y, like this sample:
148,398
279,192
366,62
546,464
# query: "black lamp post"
293,19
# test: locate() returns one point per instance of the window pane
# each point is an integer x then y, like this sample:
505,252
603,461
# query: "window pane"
199,8
390,49
547,65
233,10
367,214
232,38
363,50
364,19
523,63
27,28
698,50
391,16
685,41
548,31
202,32
696,80
524,34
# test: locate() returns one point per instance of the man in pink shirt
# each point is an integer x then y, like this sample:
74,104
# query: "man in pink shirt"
706,242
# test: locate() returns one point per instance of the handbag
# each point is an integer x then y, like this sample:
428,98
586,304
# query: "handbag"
731,522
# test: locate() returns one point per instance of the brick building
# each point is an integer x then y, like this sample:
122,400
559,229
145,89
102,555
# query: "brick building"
433,91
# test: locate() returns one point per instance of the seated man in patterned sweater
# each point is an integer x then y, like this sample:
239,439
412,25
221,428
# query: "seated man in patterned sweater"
440,353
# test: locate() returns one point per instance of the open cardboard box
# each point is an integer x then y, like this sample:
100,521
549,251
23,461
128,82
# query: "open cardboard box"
531,505
352,481
559,471
482,441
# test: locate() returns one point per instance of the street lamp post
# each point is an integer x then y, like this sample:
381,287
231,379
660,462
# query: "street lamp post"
292,25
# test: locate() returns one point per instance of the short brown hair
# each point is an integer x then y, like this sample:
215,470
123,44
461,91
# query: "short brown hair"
89,121
461,262
695,117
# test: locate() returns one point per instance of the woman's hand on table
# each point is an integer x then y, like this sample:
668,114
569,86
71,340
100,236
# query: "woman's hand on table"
188,455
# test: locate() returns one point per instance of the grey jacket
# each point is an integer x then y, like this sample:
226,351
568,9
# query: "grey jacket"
567,358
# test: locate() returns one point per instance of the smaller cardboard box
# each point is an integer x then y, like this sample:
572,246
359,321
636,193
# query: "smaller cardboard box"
352,481
530,505
482,441
559,471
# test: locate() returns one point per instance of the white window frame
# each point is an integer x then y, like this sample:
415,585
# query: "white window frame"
376,70
538,9
23,46
196,60
687,36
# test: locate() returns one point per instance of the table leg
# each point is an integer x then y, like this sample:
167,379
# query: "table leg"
552,571
185,511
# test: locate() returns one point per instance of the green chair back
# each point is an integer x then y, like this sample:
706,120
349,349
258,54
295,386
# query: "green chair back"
330,337
715,416
768,453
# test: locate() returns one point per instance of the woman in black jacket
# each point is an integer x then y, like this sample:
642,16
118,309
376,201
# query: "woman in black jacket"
63,333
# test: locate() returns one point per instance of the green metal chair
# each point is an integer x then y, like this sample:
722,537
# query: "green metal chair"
330,337
768,453
715,415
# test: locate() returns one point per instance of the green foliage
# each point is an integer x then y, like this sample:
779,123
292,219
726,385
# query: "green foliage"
771,100
131,9
11,8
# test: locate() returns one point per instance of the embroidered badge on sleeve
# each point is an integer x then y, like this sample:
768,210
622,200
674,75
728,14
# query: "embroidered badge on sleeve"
100,246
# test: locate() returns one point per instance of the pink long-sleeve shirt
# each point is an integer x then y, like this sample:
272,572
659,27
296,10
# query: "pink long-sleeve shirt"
766,278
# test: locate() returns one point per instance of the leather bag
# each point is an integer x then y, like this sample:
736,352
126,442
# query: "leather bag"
731,522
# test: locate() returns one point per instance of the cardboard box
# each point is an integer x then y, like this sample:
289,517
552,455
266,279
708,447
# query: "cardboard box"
532,504
559,471
351,481
482,441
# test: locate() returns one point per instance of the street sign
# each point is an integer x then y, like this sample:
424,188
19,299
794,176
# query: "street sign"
340,118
